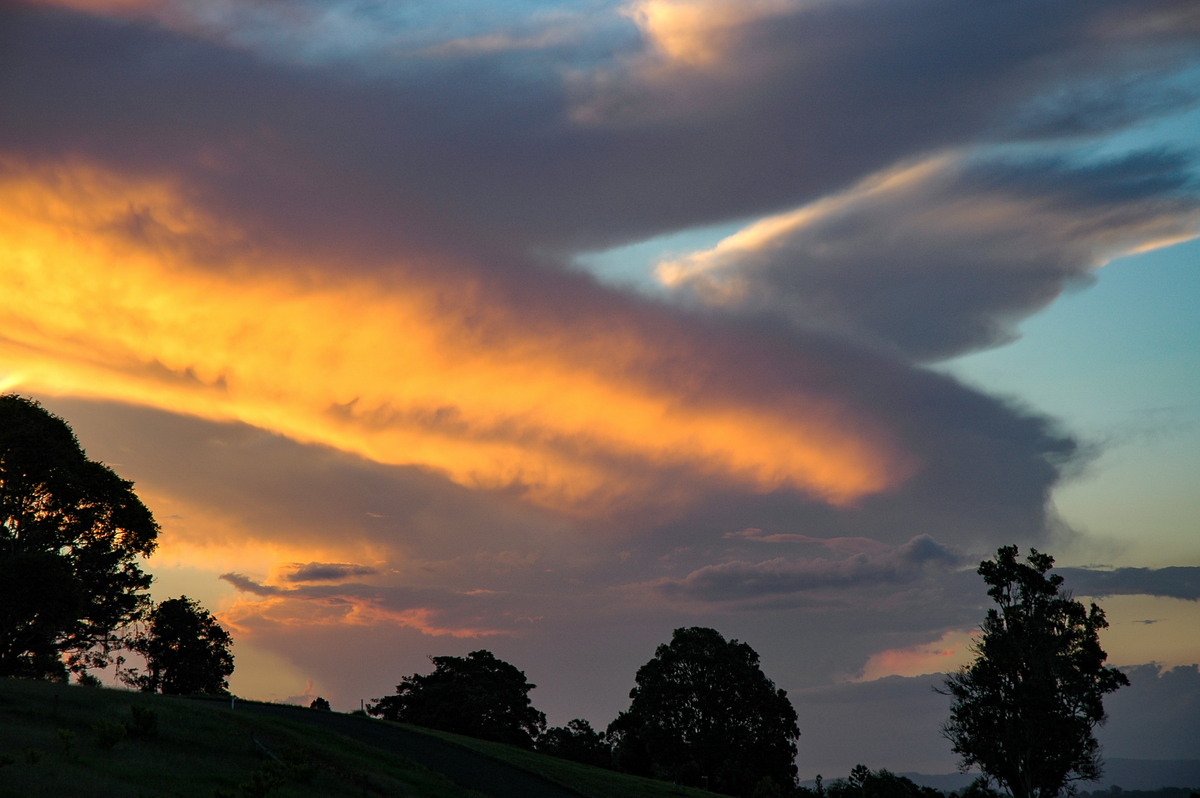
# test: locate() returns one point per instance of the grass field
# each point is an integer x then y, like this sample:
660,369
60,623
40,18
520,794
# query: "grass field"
60,740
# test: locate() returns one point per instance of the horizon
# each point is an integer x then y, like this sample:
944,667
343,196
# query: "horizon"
548,328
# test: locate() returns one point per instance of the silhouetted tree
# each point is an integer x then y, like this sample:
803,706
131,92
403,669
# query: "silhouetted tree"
71,535
186,650
1024,710
703,712
576,741
477,695
321,704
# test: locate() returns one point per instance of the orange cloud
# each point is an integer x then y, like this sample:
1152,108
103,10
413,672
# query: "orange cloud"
943,655
121,289
695,32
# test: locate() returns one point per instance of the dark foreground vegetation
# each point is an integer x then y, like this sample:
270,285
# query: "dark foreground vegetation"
58,739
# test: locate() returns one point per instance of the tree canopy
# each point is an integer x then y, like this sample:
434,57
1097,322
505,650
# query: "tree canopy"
71,536
186,650
1025,709
704,714
477,695
576,741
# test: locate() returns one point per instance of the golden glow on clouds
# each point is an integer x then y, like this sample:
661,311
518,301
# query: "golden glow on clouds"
718,275
695,32
765,234
281,611
108,296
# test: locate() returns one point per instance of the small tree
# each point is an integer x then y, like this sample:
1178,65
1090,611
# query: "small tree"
477,695
703,711
186,651
320,704
1025,709
576,741
71,536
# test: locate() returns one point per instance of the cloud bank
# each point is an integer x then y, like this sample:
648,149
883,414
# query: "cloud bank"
314,274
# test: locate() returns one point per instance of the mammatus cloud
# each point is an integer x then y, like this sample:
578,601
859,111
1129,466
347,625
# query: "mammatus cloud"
947,255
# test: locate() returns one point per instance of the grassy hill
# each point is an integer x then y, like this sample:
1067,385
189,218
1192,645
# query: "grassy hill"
60,740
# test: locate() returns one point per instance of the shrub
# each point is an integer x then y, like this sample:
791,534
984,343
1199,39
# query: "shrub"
143,724
108,733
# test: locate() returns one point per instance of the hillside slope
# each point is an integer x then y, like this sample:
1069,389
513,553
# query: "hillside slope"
61,740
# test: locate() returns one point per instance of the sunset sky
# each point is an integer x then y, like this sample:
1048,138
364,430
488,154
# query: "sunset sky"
425,326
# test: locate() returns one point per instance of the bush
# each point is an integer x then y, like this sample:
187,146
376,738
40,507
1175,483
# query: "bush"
107,734
143,724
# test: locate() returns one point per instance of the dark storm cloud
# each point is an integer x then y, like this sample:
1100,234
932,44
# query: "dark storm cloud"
482,153
436,611
1180,582
738,581
953,255
1156,717
327,572
286,493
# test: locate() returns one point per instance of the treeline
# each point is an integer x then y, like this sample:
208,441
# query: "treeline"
702,714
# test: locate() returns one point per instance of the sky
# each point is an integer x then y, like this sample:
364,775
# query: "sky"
550,327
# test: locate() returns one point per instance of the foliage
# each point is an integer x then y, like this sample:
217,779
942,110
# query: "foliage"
477,695
703,711
71,535
108,733
979,788
321,704
866,783
576,741
186,651
1024,710
143,723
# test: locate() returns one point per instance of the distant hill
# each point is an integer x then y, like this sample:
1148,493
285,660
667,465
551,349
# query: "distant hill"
1128,774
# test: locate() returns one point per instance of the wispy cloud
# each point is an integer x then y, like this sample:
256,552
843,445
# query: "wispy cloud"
945,256
1180,582
749,581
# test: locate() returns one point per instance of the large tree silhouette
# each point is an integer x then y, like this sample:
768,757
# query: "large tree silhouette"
703,713
477,695
71,536
1025,709
186,650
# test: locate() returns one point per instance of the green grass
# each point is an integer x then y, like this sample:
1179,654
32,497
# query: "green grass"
53,740
58,739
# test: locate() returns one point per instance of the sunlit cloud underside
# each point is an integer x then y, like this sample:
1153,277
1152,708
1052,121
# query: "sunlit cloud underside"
120,289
